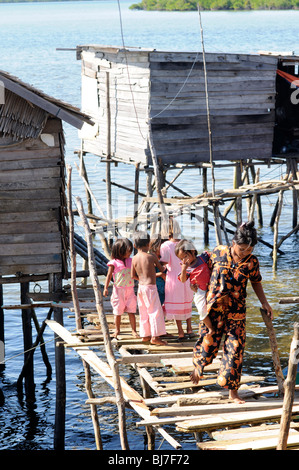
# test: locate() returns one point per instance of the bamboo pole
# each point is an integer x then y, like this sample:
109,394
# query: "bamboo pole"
93,407
108,345
72,250
289,391
280,201
157,174
274,350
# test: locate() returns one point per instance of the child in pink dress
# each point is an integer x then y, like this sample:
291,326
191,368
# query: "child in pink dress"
178,295
123,298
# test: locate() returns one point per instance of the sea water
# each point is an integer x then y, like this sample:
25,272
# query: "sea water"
33,39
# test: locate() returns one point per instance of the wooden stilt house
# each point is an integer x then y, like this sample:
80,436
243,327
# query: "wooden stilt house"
33,238
251,113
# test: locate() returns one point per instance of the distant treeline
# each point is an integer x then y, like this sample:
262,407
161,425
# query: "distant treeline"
185,5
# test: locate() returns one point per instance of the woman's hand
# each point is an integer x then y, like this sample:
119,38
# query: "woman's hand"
267,307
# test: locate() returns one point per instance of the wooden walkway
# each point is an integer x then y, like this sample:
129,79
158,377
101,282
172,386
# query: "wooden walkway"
171,399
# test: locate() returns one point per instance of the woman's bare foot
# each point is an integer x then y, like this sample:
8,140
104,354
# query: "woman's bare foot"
157,341
195,377
233,395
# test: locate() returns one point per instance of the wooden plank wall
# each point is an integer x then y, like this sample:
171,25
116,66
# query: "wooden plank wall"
127,96
31,186
241,92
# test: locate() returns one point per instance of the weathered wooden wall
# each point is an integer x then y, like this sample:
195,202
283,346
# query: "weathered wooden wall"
171,86
241,92
115,93
31,203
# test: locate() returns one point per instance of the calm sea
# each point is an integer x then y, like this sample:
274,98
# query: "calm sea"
30,35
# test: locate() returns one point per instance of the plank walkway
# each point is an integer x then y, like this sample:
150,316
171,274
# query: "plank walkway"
203,410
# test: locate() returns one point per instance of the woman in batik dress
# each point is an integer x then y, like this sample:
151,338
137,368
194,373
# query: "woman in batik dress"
231,268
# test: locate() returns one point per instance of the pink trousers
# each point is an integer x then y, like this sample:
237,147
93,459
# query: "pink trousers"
151,317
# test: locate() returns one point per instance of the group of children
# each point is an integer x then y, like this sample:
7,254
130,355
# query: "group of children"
170,275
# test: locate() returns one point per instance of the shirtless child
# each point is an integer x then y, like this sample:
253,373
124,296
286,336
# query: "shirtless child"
151,317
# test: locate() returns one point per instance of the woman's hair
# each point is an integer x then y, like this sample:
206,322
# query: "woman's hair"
170,229
120,248
246,234
155,244
186,246
141,239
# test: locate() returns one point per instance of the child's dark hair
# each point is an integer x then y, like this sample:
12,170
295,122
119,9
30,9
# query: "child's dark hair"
246,234
186,246
141,239
120,248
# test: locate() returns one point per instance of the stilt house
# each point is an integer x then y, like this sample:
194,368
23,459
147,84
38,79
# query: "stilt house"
33,238
251,111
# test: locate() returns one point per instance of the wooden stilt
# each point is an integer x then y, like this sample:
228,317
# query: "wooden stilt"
55,285
237,184
27,333
205,210
289,388
93,408
274,350
108,345
72,249
279,207
136,192
39,339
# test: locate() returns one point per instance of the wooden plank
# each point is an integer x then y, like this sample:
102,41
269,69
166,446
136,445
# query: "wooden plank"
132,396
232,419
35,216
263,442
29,228
219,408
252,431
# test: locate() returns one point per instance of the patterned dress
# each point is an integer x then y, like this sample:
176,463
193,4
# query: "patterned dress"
226,304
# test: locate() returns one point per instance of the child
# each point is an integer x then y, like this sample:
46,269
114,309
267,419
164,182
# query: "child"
154,247
151,315
123,298
178,295
196,269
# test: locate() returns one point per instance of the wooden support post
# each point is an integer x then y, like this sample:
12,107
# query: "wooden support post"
275,238
55,285
295,193
72,250
274,350
289,387
150,431
107,340
39,339
205,209
259,212
93,407
157,173
237,184
108,158
27,333
136,192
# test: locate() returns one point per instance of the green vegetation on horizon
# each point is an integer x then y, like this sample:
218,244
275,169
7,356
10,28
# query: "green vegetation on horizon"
189,5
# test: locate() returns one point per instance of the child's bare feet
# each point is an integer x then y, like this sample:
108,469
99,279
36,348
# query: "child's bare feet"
157,341
115,334
233,395
195,377
135,334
